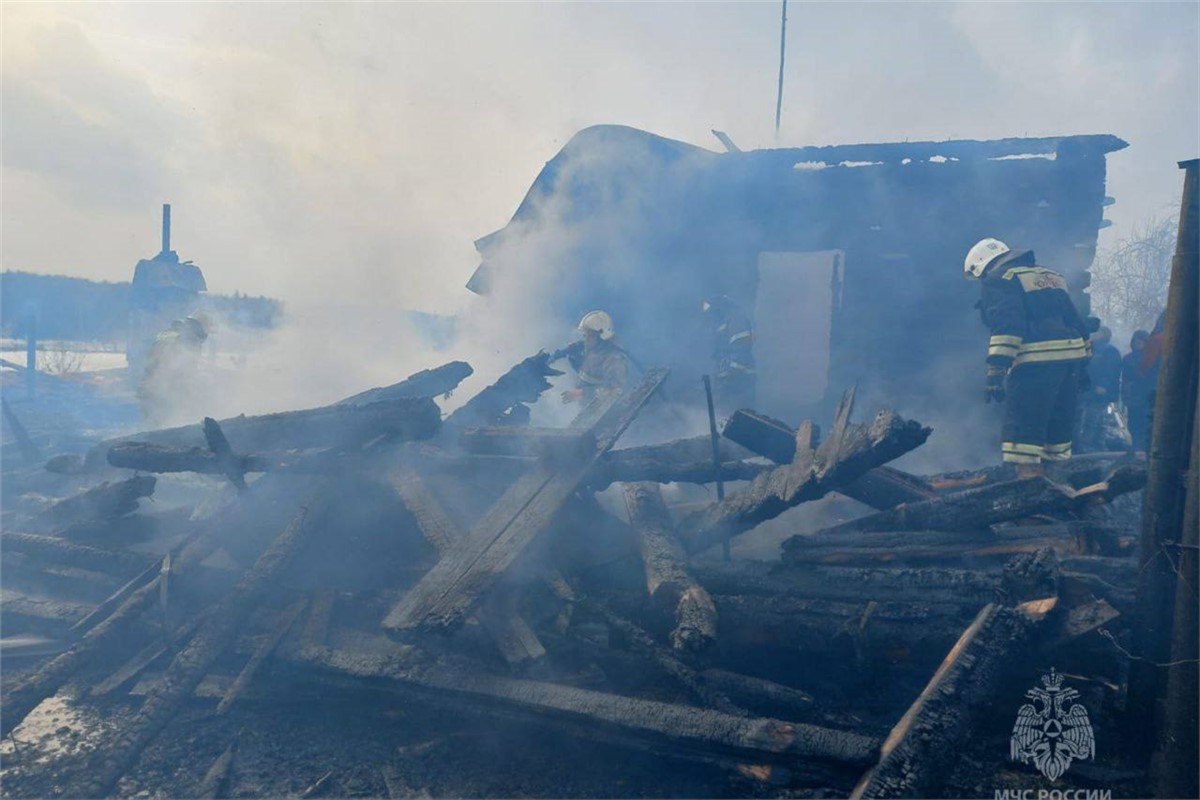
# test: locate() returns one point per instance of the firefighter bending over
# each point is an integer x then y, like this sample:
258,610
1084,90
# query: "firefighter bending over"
733,354
601,366
171,367
1036,355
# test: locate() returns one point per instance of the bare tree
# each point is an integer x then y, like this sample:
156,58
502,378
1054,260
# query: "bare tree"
1129,280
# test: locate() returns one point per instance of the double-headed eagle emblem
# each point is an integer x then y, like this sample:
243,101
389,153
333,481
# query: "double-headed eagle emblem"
1050,734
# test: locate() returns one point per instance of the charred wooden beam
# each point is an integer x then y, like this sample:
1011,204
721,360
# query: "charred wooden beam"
51,549
674,593
849,452
881,488
1081,470
759,695
454,585
407,419
106,501
503,403
230,463
680,461
435,382
216,780
143,659
686,731
976,509
952,587
286,620
218,630
925,547
921,748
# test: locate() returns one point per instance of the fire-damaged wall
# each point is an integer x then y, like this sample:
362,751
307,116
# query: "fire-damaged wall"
647,227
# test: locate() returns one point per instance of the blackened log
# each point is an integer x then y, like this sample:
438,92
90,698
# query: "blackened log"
503,403
286,620
849,452
976,509
684,731
407,419
218,630
952,587
881,488
435,382
143,659
1077,622
106,501
674,593
916,548
680,461
454,585
759,695
898,630
1077,472
146,457
51,549
923,746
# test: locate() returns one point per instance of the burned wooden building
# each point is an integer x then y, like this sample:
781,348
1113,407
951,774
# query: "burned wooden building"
847,258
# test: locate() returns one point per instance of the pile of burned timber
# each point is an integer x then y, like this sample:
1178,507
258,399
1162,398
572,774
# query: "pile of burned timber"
485,580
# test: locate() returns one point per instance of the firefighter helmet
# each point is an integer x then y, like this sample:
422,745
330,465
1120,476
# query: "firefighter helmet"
598,321
981,255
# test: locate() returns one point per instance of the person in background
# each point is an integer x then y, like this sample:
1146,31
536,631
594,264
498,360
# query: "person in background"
601,366
1037,351
734,379
171,367
1135,391
1103,387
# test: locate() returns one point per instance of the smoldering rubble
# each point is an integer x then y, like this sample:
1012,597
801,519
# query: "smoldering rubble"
373,599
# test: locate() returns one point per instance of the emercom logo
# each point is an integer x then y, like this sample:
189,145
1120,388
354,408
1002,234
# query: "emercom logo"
1052,731
1053,794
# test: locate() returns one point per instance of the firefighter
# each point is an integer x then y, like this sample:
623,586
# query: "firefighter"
601,365
1103,388
732,353
171,366
1037,353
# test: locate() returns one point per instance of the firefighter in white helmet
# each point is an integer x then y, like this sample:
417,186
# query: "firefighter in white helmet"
601,366
1036,355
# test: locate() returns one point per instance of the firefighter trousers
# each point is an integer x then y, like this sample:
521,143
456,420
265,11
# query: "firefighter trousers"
1039,416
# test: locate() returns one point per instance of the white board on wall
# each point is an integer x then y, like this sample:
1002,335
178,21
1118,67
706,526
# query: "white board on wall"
793,315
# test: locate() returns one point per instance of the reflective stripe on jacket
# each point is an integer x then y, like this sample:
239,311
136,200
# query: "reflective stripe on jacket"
1031,317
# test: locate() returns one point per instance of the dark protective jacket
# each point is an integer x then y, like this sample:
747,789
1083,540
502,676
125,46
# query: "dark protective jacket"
602,368
1105,372
1031,316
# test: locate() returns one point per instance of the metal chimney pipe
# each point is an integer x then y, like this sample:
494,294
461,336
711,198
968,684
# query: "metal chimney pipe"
166,228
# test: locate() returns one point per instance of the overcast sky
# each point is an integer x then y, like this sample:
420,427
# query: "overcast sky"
354,152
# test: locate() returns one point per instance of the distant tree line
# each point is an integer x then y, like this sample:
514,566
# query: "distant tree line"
78,309
1130,279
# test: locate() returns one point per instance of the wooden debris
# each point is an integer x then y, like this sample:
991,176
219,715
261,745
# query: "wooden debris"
976,509
229,463
503,403
106,501
189,667
543,443
216,780
849,452
454,585
881,488
320,786
407,419
68,554
684,731
261,654
436,382
143,659
758,694
674,592
921,748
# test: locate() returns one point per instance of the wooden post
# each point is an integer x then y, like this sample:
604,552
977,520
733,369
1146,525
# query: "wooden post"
1170,444
716,447
1174,770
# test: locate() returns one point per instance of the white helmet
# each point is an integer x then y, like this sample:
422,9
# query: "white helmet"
983,253
598,321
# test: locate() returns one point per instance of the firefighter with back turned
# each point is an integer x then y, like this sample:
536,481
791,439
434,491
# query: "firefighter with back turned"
1037,354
